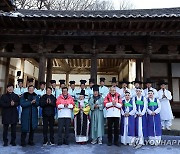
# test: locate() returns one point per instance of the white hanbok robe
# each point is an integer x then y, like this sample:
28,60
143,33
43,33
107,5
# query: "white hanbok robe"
133,92
122,93
72,92
140,124
125,139
166,111
153,89
103,90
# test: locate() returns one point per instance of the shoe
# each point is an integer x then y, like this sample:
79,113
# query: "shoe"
5,144
60,143
23,144
163,128
51,143
116,144
138,146
66,143
99,141
168,128
31,143
45,143
109,143
94,141
13,143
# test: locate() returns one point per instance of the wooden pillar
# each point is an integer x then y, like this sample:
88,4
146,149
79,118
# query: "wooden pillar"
94,67
138,69
169,76
7,73
146,67
67,78
147,62
49,70
42,69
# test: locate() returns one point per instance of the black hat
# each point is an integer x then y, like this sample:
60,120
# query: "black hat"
72,82
42,82
102,79
52,81
91,80
148,80
82,93
113,80
62,81
136,81
20,80
162,82
10,85
30,80
124,81
83,81
95,88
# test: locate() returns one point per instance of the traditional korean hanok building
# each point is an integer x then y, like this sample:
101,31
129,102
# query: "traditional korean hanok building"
72,45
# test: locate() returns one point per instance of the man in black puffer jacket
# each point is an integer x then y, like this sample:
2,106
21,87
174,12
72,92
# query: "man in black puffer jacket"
48,104
9,103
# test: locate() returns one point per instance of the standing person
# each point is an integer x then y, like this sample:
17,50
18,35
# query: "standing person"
90,89
97,118
103,90
114,84
48,104
9,103
141,118
128,111
149,87
124,88
62,85
72,91
166,111
81,118
153,119
113,104
19,91
65,104
137,84
54,93
83,87
29,117
53,86
30,82
40,93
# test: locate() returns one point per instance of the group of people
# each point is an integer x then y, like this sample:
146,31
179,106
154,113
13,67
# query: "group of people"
138,113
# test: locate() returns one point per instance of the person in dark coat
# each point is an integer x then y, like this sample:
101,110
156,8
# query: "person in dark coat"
29,116
9,103
48,104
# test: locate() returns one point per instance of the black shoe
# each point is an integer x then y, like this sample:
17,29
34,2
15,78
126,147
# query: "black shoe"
109,143
5,144
23,144
66,142
51,143
116,144
13,143
31,143
45,143
60,143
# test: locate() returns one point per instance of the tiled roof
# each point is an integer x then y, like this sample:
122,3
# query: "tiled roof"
139,13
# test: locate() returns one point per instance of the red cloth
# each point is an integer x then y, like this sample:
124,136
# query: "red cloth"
62,100
109,97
